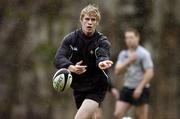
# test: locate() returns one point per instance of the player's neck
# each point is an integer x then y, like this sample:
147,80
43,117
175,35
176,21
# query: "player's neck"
132,48
89,34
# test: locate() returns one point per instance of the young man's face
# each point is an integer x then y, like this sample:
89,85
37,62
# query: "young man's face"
89,23
131,40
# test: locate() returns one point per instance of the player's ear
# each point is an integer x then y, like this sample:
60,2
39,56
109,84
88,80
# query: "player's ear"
97,22
80,20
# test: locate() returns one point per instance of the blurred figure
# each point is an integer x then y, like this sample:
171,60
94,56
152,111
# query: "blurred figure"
85,52
136,63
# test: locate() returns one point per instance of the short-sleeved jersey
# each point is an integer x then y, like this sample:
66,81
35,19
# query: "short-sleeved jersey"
135,71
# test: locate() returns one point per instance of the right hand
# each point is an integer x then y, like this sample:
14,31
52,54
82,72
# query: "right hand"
78,68
132,57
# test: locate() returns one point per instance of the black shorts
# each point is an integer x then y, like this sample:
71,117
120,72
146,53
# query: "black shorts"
126,95
80,96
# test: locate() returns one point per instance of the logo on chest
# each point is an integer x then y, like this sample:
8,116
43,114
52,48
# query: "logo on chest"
75,49
91,52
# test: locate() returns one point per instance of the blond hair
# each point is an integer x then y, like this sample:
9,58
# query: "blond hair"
90,9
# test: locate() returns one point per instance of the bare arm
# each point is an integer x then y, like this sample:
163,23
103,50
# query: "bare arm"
148,75
120,68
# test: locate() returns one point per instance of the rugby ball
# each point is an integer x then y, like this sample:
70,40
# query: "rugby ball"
62,80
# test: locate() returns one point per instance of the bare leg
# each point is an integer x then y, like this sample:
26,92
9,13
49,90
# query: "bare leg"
120,109
99,113
141,112
87,110
94,116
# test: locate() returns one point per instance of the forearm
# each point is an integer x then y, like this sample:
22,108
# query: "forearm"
148,75
62,58
121,68
63,53
62,63
102,52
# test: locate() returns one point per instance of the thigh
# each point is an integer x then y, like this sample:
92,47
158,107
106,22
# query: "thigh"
96,95
141,111
79,97
126,95
99,113
87,109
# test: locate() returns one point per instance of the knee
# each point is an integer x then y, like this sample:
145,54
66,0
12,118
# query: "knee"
141,116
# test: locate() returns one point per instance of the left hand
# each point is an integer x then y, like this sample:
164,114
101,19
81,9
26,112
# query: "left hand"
137,93
105,64
115,93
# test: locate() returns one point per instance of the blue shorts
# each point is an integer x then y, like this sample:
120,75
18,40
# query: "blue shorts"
126,95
